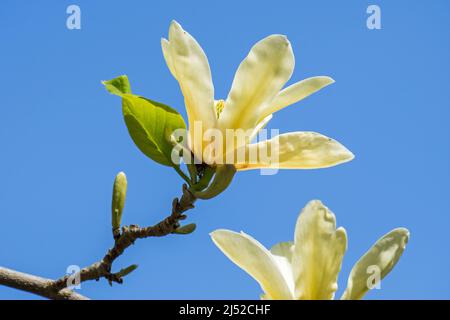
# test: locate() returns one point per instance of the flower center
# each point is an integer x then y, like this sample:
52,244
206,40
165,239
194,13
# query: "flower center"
220,104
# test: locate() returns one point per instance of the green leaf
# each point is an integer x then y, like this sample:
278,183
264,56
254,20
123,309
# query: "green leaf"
151,125
187,229
118,86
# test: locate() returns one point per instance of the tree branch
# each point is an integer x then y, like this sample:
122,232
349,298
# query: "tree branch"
58,289
37,285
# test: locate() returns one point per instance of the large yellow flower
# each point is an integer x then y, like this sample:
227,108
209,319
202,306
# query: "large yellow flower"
308,267
256,93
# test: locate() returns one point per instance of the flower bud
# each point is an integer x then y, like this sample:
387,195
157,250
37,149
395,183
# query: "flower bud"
118,199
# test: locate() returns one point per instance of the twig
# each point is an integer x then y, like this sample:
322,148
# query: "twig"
57,289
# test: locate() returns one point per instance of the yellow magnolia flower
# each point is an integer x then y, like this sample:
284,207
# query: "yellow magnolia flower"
256,93
308,267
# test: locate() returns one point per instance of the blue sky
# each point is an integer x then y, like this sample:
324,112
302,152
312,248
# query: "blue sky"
63,139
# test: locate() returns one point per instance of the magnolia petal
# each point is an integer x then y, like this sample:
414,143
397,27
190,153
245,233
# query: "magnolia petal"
191,67
165,46
235,144
295,150
255,259
282,252
259,78
382,257
318,253
260,126
297,92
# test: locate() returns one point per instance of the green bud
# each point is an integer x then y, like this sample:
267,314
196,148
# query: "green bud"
187,229
118,199
126,271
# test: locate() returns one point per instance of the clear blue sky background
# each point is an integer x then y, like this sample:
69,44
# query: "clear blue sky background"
63,139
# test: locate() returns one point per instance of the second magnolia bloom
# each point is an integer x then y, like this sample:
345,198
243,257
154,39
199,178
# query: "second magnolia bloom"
256,93
308,267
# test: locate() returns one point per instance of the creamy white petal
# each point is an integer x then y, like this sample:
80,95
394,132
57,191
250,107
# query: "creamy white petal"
295,150
192,71
381,258
165,46
296,92
259,78
236,143
260,126
318,253
255,259
282,252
